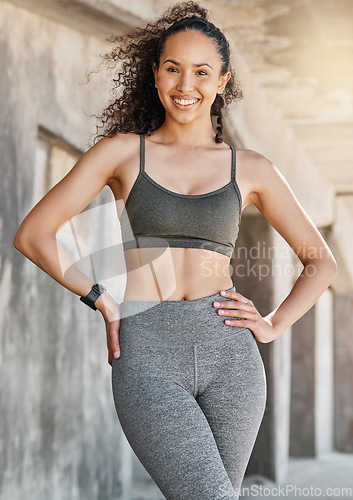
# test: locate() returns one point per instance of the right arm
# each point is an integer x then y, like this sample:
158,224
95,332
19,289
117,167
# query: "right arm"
36,236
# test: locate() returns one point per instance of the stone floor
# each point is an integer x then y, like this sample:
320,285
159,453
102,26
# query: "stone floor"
307,478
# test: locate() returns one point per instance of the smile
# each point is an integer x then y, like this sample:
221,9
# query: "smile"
184,103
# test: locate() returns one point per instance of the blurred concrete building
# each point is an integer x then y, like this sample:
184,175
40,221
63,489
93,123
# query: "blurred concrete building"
59,435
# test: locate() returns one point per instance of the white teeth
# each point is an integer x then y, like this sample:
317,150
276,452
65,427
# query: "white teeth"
184,102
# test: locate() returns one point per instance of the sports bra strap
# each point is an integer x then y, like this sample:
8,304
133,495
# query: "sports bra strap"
233,163
142,157
142,153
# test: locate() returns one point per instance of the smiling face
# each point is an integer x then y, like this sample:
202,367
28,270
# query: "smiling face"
188,78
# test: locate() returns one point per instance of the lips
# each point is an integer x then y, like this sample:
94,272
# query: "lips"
185,103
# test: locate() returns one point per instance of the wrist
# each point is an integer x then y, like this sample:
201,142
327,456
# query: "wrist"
109,308
275,328
99,303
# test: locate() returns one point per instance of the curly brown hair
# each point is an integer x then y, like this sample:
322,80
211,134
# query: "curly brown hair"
137,107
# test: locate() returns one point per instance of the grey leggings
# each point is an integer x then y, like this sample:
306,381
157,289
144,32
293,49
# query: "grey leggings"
190,394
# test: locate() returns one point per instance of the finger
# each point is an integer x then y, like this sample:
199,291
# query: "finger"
239,313
234,305
231,304
232,312
114,339
234,295
246,323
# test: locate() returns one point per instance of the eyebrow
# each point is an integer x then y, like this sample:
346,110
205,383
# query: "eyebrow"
196,65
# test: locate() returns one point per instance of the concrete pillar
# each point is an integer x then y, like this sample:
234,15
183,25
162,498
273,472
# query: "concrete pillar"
343,372
312,381
340,241
302,424
324,399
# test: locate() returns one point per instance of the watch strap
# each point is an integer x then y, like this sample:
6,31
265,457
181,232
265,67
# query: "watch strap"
93,295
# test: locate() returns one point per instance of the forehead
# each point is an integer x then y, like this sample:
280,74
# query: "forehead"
191,43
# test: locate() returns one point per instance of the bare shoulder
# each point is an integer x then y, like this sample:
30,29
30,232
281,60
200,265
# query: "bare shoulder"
253,162
122,149
253,169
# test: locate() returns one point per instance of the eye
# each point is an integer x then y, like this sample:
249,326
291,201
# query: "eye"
171,69
202,71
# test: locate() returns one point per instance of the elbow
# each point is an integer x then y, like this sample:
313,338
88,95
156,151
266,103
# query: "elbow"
21,242
326,266
330,269
17,241
334,267
20,237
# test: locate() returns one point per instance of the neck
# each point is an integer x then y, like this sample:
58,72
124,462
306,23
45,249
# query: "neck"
186,134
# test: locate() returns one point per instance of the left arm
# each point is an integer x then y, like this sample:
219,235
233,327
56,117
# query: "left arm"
275,200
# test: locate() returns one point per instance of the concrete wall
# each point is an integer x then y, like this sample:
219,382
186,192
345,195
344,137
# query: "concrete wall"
59,434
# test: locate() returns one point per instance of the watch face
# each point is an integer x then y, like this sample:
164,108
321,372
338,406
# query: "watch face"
101,288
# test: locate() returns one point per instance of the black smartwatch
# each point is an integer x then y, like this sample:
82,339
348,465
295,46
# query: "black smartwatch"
93,295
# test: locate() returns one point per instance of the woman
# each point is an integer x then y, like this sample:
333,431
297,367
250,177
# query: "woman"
189,385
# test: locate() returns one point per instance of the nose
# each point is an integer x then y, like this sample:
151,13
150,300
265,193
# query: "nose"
185,83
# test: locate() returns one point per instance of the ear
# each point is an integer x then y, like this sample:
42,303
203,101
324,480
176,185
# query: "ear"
155,71
223,80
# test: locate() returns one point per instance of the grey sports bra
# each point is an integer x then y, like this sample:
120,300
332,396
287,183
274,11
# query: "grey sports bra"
154,216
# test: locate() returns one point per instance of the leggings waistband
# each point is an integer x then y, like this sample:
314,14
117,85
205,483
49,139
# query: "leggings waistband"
175,321
132,307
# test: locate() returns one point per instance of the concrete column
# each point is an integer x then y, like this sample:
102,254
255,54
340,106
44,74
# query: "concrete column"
302,424
343,372
324,373
341,241
312,381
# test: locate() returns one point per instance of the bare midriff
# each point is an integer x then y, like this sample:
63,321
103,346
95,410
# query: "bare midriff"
174,273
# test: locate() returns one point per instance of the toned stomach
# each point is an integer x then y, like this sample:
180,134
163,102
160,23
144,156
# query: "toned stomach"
175,273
